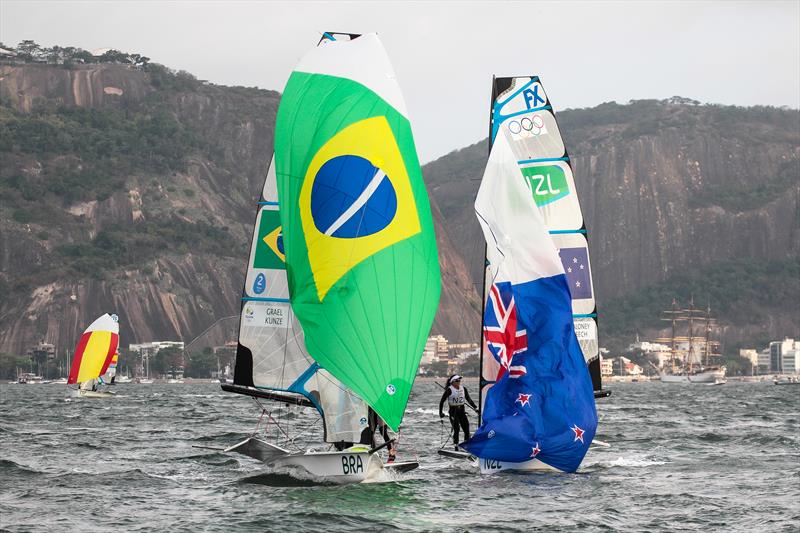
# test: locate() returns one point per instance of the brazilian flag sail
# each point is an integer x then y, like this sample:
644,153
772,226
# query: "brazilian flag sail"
358,234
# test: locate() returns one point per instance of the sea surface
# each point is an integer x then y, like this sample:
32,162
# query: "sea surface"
683,457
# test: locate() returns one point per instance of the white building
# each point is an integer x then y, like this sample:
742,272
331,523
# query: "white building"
435,349
606,367
149,349
630,368
648,347
763,361
782,356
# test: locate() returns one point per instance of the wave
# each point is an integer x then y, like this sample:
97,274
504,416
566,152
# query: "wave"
9,467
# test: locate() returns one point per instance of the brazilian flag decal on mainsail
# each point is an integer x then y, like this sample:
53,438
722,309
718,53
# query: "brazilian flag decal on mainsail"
269,243
356,224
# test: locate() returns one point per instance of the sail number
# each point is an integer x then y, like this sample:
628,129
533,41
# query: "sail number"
491,464
541,179
351,464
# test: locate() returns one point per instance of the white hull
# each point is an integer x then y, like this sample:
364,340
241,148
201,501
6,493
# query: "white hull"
339,467
709,376
354,465
93,394
490,466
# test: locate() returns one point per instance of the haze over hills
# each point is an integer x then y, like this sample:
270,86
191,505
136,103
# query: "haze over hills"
133,190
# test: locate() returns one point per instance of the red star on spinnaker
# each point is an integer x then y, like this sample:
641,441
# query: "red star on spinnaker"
535,451
578,433
523,399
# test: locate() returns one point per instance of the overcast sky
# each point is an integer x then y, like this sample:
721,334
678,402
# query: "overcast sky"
445,53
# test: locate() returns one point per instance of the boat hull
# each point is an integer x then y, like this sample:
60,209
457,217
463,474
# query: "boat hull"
707,376
491,466
347,466
338,467
94,394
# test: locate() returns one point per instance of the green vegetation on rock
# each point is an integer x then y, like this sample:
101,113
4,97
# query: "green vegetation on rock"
740,290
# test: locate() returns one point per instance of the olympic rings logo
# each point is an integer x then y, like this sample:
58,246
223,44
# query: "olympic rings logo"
534,125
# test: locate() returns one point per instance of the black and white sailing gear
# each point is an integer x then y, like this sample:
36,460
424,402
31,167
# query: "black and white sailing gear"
456,398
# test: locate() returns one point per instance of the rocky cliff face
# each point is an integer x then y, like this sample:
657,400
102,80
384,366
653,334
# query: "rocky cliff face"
65,260
665,188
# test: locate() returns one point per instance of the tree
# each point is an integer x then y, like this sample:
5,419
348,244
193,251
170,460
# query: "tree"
471,366
29,50
10,363
438,368
167,360
202,364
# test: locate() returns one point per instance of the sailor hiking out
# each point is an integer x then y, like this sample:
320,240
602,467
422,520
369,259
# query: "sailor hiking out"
456,397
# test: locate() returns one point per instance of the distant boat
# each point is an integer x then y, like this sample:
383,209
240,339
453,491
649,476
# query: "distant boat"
343,206
787,381
93,356
29,378
694,363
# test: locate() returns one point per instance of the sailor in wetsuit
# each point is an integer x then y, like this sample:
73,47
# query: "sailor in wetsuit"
368,435
456,396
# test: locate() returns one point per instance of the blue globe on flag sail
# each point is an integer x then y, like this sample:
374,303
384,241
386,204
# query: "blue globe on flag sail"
352,198
279,243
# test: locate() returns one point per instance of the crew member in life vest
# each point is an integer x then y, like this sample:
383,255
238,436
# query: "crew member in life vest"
456,396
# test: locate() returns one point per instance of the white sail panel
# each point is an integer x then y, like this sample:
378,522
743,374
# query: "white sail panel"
522,113
553,188
271,353
524,94
270,191
266,275
345,413
366,63
534,135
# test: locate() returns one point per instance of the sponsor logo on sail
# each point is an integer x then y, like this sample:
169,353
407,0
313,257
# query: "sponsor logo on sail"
548,183
532,97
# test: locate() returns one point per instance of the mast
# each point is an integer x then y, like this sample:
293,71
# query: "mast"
481,381
689,356
672,316
708,332
537,290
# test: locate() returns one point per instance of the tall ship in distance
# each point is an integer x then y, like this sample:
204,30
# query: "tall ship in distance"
694,352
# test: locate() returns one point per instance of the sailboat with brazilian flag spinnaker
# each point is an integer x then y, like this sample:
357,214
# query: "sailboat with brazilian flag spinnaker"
358,279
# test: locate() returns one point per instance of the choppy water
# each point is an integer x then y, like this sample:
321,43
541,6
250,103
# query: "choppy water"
684,458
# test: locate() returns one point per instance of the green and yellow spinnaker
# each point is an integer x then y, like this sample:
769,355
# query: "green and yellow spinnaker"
358,234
